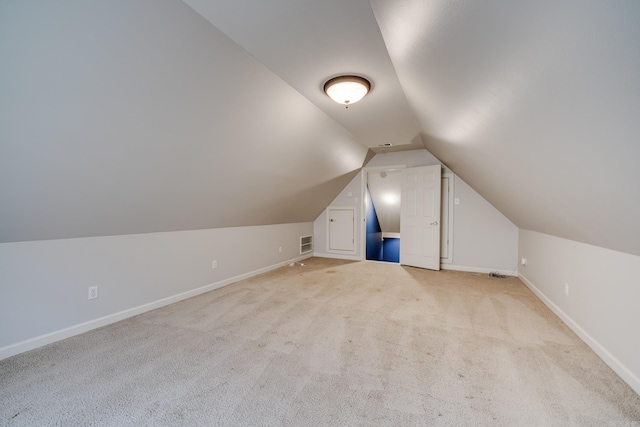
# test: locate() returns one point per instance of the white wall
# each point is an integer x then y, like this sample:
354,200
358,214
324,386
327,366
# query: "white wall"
483,239
604,292
44,283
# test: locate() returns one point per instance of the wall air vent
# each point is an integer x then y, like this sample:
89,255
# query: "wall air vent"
306,244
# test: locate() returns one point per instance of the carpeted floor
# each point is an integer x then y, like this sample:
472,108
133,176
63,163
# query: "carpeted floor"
326,344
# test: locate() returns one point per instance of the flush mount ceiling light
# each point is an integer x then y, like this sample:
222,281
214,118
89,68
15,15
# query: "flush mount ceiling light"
347,89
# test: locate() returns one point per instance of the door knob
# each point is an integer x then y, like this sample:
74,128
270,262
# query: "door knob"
434,223
331,220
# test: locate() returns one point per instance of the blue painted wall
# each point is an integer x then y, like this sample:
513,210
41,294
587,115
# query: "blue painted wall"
391,249
373,232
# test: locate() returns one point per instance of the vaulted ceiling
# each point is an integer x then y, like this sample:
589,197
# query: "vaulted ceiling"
535,104
154,115
123,117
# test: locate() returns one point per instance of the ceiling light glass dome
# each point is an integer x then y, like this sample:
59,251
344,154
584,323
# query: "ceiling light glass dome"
347,89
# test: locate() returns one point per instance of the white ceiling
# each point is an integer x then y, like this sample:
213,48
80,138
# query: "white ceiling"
535,104
306,42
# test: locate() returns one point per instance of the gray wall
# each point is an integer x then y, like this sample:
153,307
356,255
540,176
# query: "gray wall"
44,283
602,305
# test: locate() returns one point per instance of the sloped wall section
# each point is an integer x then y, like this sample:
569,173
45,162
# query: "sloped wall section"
123,117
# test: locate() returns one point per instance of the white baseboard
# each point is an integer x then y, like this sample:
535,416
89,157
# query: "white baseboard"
478,269
42,340
337,256
608,358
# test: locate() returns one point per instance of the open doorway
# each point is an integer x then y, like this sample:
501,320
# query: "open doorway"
376,230
383,190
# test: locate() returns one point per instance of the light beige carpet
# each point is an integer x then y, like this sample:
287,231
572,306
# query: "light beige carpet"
326,344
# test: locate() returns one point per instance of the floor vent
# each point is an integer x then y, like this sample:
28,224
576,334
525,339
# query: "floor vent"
306,244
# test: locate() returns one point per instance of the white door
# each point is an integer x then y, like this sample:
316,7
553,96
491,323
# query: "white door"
341,230
420,217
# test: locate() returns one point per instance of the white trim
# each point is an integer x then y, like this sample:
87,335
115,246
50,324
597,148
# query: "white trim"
390,235
448,259
608,358
383,168
355,231
42,340
337,256
478,269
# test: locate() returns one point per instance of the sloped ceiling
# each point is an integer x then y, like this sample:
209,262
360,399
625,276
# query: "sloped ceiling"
534,104
122,117
306,42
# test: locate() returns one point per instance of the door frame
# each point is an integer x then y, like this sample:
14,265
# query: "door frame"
446,172
447,258
355,230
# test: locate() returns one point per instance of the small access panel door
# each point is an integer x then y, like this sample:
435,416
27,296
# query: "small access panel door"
341,230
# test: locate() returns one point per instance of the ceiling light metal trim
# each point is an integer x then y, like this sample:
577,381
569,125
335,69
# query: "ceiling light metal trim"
347,89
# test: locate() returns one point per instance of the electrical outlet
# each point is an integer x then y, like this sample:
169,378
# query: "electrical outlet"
279,249
566,289
93,292
214,264
456,201
523,261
